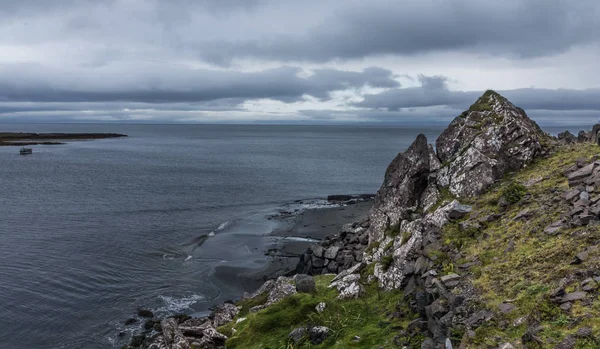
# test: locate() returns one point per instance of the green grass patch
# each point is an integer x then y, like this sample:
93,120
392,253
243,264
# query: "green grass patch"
366,317
513,192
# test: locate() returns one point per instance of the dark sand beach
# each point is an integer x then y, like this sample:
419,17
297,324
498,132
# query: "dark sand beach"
294,236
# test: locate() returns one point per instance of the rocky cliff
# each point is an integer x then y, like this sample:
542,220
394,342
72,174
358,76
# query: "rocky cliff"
488,241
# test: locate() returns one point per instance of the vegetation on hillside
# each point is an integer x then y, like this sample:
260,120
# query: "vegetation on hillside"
373,321
507,260
516,262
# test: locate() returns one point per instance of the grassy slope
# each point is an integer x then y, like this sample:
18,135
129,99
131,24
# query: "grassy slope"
525,275
368,317
530,271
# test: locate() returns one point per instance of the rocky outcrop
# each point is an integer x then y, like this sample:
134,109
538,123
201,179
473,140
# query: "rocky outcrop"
484,142
186,333
336,253
406,178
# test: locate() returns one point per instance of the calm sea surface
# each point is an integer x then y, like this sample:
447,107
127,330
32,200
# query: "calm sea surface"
92,230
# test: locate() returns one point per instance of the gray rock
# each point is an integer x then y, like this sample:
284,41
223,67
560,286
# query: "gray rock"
318,263
318,250
554,228
320,307
478,318
305,283
572,194
582,203
580,175
524,214
223,314
480,146
405,180
298,334
584,195
428,343
567,343
574,296
506,308
145,313
318,334
279,289
332,252
585,332
173,337
349,286
458,211
449,278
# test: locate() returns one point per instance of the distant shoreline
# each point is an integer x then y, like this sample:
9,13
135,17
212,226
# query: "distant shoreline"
27,138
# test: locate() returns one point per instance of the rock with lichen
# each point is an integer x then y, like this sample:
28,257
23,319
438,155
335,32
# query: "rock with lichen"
490,139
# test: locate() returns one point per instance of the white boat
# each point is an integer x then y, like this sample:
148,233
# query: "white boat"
26,151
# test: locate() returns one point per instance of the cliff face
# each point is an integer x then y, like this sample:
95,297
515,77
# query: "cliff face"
477,149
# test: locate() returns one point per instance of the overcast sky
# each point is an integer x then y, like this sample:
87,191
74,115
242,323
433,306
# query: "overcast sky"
319,61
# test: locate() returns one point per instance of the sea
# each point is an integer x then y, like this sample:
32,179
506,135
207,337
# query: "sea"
92,231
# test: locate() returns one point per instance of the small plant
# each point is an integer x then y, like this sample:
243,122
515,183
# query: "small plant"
514,192
448,268
405,237
393,230
388,245
386,262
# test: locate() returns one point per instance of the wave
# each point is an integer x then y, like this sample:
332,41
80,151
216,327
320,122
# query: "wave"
178,304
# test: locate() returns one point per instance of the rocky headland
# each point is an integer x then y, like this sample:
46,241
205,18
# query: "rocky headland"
21,138
488,240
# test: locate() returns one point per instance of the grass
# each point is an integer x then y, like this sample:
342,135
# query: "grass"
527,273
366,318
513,192
524,274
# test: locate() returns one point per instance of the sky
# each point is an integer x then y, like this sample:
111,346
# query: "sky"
411,62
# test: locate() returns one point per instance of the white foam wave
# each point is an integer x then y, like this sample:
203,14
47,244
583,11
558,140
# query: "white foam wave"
219,228
178,304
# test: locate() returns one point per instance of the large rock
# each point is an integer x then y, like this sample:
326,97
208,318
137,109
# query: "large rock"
406,178
305,284
484,142
349,286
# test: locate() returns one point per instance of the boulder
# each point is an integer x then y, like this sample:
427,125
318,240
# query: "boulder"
349,286
595,136
298,334
145,313
332,252
318,334
567,138
578,177
223,314
574,296
490,139
305,283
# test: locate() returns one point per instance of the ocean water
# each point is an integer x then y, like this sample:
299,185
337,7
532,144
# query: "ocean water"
92,230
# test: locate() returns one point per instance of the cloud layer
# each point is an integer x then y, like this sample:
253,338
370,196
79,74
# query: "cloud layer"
285,61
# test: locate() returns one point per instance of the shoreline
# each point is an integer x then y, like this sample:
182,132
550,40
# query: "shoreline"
290,241
27,138
296,233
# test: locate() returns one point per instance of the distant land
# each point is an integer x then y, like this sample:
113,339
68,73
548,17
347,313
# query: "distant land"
21,138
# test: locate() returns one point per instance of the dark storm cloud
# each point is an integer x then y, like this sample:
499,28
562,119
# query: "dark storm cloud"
158,84
358,29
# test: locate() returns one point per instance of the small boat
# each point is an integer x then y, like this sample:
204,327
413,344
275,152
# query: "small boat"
25,151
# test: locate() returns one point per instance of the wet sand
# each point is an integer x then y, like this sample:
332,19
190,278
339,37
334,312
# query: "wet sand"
292,239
